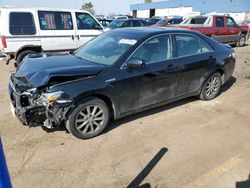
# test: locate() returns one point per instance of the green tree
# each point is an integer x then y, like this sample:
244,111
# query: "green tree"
88,6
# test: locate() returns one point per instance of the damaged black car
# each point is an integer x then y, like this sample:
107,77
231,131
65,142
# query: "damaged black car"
120,72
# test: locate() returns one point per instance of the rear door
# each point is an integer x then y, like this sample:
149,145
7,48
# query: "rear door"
220,29
87,27
194,59
20,30
56,30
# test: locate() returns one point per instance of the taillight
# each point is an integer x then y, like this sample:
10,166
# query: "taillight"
3,39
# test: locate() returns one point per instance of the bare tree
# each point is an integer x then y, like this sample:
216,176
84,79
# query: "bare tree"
148,1
88,6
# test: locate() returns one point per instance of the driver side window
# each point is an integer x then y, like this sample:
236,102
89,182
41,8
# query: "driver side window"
85,21
230,22
154,50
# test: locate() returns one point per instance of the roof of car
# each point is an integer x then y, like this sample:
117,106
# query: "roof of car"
145,31
39,8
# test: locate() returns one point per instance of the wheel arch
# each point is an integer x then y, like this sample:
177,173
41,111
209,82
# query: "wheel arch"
110,103
27,47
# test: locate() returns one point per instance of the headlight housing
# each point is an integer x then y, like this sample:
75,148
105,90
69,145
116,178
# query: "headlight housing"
58,97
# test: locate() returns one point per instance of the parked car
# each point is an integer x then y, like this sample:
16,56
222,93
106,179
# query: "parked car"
168,21
246,24
127,23
221,28
154,20
24,31
105,22
120,72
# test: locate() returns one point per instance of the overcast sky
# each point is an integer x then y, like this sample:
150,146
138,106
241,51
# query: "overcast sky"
100,6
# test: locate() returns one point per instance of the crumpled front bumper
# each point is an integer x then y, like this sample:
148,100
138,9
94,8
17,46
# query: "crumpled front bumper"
29,113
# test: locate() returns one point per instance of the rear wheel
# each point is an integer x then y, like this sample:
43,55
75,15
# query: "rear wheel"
212,87
22,55
88,119
242,40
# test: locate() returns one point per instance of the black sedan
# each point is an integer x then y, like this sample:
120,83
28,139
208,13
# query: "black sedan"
121,72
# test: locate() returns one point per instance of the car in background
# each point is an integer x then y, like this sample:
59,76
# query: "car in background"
168,21
152,21
116,74
221,28
246,24
105,22
30,30
127,23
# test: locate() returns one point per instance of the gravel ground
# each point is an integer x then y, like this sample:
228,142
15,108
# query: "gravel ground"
190,143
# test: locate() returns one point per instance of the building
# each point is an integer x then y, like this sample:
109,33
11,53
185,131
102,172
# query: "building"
239,9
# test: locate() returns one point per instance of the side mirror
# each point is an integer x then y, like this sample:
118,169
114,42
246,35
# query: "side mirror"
135,63
97,26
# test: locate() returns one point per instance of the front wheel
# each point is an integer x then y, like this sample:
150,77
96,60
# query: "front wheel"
88,119
212,87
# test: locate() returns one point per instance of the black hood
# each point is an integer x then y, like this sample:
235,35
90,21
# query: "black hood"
38,69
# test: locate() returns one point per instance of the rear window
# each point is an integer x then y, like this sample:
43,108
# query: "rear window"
188,45
22,23
55,20
198,20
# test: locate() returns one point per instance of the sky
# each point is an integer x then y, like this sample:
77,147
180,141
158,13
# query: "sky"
100,6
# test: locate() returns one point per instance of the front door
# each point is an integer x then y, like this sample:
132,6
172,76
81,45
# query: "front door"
87,28
153,83
232,30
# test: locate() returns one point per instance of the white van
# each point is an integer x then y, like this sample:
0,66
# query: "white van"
29,30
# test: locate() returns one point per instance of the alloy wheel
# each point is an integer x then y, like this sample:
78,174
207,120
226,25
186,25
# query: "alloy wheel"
212,86
242,41
90,119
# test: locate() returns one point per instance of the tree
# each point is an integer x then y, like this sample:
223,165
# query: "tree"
88,6
148,1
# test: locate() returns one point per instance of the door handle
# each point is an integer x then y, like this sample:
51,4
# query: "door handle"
211,59
72,37
78,37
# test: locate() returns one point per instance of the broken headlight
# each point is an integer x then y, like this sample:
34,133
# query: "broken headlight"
58,97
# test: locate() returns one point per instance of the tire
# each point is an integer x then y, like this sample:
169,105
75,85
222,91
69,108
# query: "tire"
211,87
88,119
242,40
22,55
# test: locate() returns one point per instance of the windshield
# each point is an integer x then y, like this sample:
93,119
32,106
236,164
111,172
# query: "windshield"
107,48
116,24
162,21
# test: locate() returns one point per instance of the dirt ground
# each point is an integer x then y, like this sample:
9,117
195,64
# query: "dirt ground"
188,144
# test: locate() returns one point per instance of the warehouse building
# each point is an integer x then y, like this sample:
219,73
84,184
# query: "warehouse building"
239,9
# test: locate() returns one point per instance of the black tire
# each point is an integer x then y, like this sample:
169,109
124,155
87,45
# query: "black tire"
80,113
212,84
22,55
242,40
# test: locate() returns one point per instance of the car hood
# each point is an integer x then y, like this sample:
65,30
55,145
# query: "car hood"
37,69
